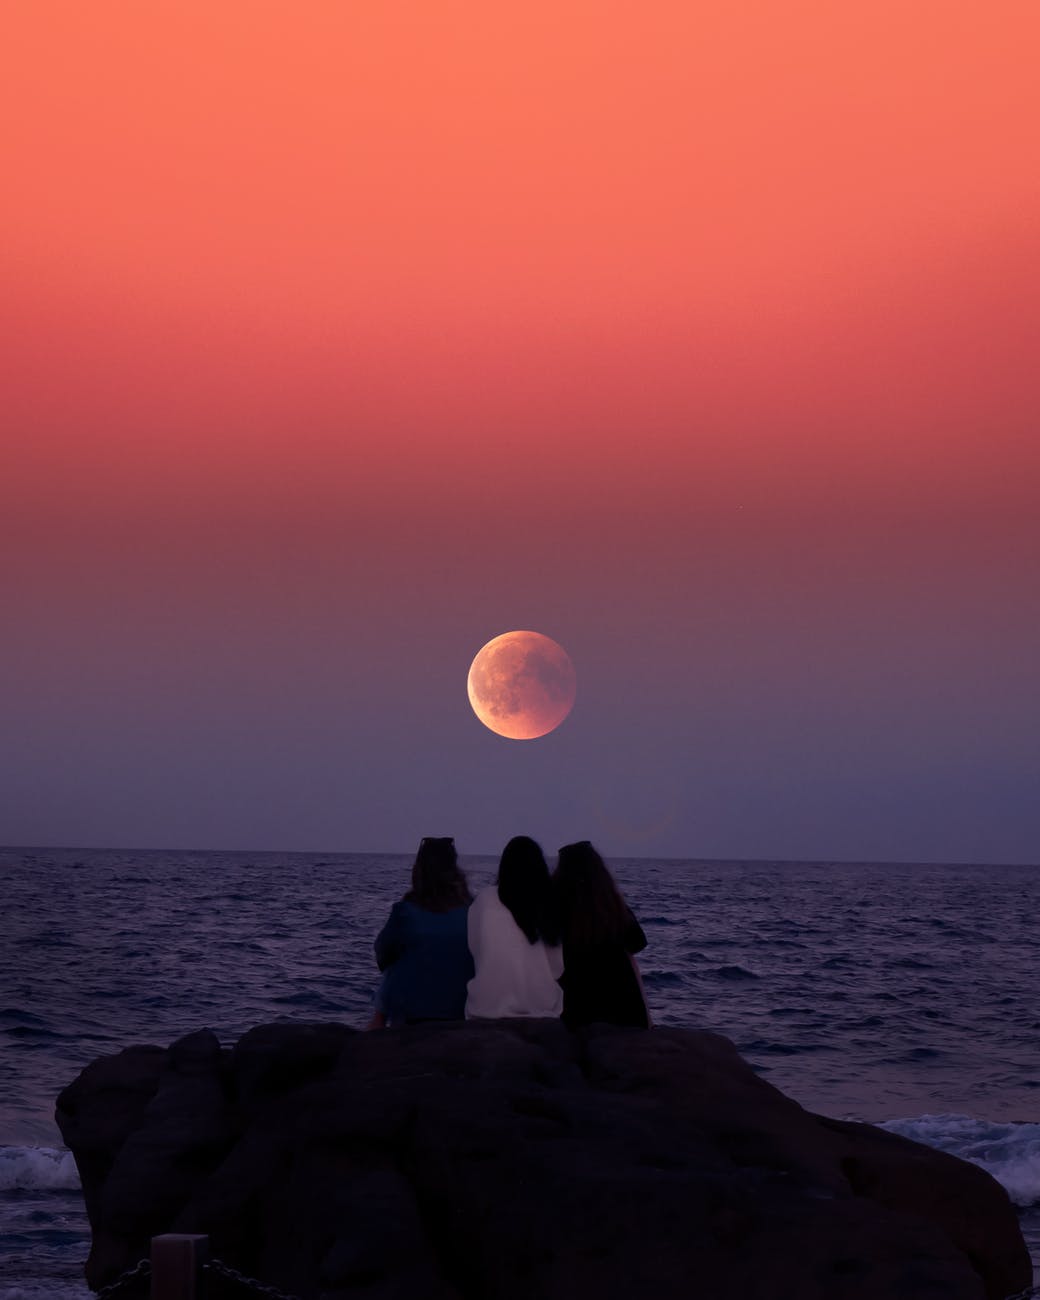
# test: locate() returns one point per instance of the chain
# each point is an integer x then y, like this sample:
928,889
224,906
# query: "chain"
220,1269
141,1269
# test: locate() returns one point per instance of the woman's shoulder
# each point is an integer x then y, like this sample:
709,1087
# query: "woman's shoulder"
399,915
487,902
408,907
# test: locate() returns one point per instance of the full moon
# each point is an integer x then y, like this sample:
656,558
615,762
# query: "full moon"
521,685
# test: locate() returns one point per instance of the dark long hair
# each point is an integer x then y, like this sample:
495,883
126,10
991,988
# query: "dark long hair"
525,888
589,903
438,884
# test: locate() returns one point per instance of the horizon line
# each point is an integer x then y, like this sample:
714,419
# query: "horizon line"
624,857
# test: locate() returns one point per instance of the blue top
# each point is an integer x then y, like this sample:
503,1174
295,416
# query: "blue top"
427,962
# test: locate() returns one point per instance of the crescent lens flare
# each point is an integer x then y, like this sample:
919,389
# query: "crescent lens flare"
521,685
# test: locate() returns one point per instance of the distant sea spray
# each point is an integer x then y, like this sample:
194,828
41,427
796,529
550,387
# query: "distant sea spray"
45,1169
1010,1152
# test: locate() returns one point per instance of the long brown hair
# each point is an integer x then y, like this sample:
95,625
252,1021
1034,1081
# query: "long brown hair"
589,903
438,884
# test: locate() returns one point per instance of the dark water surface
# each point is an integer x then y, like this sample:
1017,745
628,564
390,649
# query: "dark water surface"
892,993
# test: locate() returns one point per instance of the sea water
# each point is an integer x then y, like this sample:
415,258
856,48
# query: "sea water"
900,994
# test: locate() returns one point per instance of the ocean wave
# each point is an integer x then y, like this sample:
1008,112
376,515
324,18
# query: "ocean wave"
45,1289
1010,1152
30,1032
769,1047
16,1016
914,1055
48,1169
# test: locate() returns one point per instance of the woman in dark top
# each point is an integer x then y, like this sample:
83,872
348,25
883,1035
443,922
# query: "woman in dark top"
423,948
600,937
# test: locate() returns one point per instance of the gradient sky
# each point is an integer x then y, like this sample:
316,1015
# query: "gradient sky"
336,339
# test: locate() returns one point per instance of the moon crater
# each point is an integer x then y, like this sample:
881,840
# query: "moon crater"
521,685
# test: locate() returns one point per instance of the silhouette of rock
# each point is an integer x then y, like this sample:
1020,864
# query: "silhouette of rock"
509,1159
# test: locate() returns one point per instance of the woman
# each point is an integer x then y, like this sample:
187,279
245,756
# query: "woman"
515,941
601,980
422,948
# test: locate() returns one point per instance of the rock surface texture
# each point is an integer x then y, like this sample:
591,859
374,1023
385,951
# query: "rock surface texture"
515,1159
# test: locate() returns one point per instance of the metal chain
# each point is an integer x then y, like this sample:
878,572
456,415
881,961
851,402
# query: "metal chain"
220,1269
143,1268
140,1270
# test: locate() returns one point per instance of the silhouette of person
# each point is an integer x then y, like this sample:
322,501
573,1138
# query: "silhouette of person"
422,948
601,980
514,939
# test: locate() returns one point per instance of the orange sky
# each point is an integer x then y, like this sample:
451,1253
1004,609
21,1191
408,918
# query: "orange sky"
449,217
304,158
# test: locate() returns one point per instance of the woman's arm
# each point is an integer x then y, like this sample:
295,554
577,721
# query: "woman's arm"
633,938
390,940
475,925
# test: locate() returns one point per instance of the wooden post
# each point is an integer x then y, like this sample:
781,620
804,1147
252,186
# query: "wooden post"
177,1260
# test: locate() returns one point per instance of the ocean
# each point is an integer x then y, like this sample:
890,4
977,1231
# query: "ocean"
906,995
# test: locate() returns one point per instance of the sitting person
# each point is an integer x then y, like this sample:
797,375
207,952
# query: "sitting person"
601,980
422,948
514,940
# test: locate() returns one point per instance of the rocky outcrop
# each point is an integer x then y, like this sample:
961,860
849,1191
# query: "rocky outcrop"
509,1159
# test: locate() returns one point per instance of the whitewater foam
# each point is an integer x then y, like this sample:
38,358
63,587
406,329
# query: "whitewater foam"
1010,1152
47,1169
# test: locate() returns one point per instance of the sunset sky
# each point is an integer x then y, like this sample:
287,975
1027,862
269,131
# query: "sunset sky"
338,338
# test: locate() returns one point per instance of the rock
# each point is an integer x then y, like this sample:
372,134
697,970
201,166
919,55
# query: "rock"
509,1159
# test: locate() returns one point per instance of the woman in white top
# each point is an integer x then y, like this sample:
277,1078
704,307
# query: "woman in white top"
515,940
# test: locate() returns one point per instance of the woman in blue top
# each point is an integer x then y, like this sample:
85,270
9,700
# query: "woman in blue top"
422,949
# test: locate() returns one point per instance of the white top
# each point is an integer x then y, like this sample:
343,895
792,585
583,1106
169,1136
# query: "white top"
514,976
